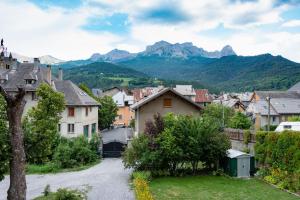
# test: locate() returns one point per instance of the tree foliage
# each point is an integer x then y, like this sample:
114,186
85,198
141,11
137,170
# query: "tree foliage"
171,142
4,139
107,113
240,121
41,125
215,113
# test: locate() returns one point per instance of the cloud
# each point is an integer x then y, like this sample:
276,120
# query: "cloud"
76,31
291,23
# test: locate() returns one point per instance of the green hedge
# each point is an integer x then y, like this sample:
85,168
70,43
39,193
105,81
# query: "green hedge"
278,155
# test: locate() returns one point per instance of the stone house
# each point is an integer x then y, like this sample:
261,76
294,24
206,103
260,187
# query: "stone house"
81,113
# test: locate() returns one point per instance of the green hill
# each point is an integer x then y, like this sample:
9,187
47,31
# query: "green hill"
229,73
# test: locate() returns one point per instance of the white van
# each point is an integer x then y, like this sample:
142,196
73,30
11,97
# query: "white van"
293,126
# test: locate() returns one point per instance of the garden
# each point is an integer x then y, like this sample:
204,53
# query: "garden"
177,157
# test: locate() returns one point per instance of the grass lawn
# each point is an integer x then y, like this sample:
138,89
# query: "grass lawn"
215,187
52,168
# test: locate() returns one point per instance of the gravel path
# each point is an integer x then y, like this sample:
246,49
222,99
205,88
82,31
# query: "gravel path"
106,181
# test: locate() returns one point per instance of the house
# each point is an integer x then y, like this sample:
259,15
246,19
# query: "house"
140,93
186,90
110,92
165,101
202,97
235,104
125,114
283,104
81,113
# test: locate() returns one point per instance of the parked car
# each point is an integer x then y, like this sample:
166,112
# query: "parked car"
293,126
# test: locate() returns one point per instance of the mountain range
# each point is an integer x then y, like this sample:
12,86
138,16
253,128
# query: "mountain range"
46,59
223,70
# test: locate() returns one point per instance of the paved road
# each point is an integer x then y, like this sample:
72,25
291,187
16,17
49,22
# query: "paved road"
107,181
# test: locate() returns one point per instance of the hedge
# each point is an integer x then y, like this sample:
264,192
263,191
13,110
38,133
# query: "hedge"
278,155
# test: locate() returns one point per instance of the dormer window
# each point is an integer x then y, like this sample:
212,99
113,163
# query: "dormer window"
30,81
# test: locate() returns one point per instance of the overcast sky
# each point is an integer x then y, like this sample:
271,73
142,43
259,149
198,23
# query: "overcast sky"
74,29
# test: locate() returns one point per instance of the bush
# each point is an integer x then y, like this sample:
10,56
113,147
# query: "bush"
240,121
279,154
171,144
75,152
63,194
144,175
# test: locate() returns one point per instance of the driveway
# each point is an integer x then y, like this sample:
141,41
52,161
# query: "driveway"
106,181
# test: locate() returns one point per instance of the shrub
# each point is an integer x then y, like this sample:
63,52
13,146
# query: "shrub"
176,142
63,194
75,152
142,190
95,143
280,153
144,175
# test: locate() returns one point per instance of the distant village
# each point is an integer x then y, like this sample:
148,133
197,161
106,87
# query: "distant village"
81,113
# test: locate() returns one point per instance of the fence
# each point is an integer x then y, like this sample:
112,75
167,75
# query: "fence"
238,134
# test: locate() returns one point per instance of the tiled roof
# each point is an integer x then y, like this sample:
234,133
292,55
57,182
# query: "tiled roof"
202,96
158,94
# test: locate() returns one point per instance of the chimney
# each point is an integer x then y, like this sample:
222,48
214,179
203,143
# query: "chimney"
14,64
60,74
49,74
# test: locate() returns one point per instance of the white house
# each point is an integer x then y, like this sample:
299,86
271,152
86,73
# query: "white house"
81,113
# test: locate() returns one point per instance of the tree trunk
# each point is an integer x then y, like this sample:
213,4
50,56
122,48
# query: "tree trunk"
15,107
17,188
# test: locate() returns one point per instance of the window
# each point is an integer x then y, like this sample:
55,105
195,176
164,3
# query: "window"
120,117
91,108
7,66
86,111
287,127
274,119
93,128
33,96
30,81
71,111
71,128
59,127
167,103
86,131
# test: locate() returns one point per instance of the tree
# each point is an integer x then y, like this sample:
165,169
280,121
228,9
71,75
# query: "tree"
87,90
15,107
4,139
215,111
107,113
240,121
41,125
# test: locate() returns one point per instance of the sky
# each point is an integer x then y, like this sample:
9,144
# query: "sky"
75,29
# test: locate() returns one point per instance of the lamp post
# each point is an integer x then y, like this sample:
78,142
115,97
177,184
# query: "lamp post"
269,111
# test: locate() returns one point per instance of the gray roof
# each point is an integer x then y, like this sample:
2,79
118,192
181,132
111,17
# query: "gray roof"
158,94
295,88
262,108
278,94
23,71
73,94
286,106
